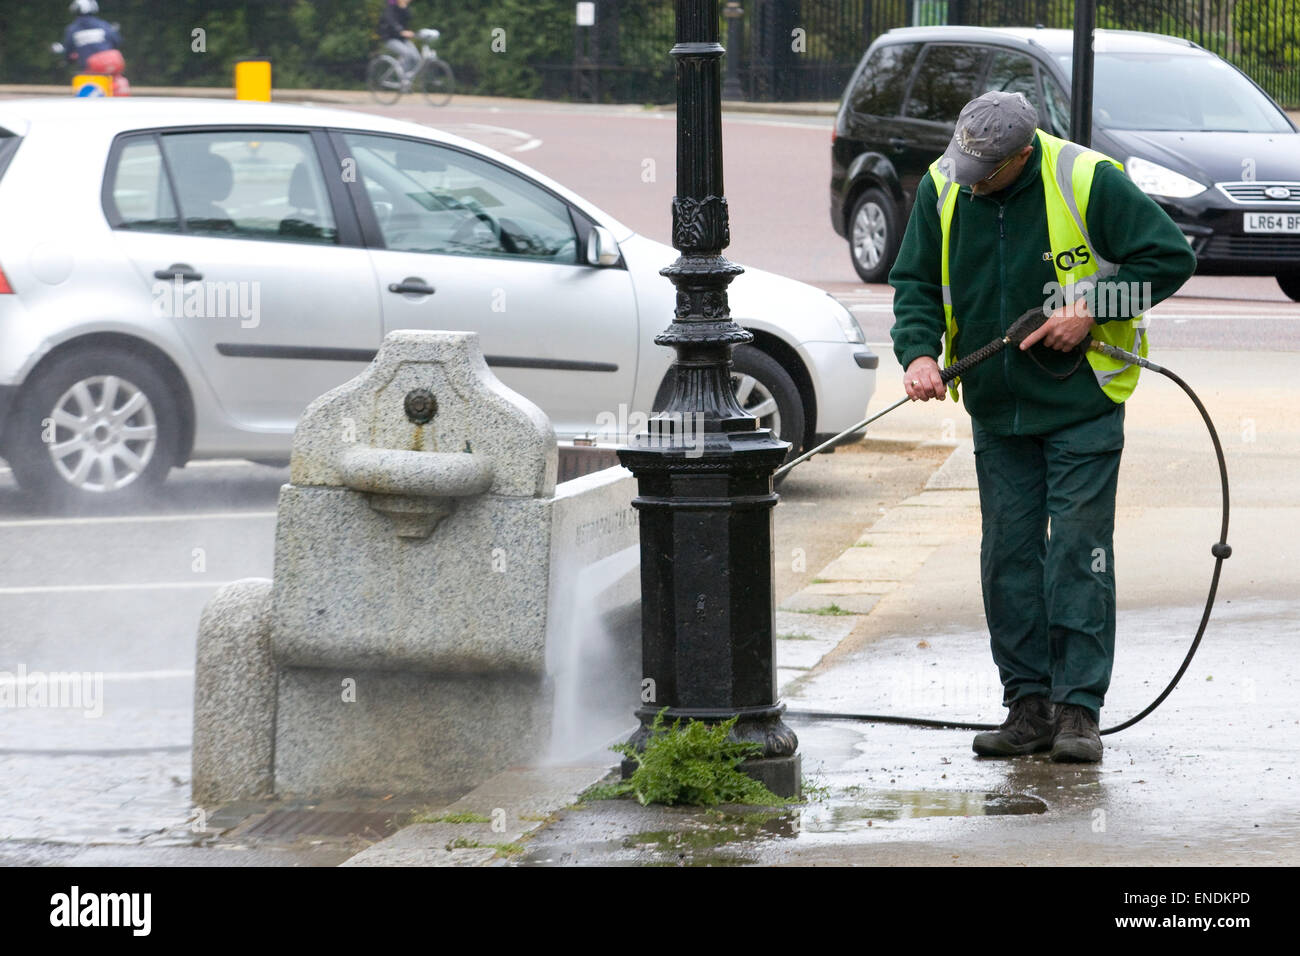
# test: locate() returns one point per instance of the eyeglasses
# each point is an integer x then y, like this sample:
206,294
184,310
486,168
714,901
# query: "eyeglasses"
991,176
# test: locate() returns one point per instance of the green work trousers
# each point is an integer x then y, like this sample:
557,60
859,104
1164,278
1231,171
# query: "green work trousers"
1047,564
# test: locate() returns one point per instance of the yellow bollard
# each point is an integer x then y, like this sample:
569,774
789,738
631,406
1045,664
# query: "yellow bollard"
92,84
253,79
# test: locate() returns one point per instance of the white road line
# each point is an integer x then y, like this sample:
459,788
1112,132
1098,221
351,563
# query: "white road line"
1176,316
34,677
224,463
146,675
74,588
1220,316
203,463
530,141
133,519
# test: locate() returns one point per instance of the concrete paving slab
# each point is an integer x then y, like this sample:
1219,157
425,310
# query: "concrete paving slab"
875,564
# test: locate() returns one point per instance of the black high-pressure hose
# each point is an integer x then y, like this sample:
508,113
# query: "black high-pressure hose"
1221,550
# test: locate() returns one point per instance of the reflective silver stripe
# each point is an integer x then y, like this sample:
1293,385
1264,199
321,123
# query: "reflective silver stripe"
1105,375
1065,180
943,194
1139,333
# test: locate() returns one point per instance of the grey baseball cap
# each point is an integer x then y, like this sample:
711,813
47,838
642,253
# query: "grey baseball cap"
990,128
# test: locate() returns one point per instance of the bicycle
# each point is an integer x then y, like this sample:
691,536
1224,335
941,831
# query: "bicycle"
387,79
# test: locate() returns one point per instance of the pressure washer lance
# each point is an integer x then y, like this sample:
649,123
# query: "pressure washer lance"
1019,330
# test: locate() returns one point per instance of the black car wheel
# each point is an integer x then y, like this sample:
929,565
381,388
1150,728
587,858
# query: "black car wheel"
766,391
92,427
1290,283
873,235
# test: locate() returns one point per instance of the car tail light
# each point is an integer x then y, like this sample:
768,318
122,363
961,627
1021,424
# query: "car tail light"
5,287
834,133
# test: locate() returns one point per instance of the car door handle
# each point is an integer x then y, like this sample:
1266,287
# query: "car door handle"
412,284
897,142
186,272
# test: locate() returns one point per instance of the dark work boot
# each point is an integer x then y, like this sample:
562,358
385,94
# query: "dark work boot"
1028,729
1077,739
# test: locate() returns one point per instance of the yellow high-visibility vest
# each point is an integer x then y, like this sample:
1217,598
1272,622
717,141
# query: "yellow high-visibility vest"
1067,171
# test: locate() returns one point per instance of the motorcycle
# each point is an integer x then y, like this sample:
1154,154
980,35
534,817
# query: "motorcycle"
110,62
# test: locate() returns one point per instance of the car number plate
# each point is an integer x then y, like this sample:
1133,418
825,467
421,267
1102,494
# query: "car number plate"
1272,222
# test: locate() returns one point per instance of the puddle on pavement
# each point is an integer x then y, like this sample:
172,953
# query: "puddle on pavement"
857,809
729,838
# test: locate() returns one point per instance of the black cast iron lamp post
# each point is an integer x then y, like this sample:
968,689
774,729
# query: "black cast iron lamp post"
704,470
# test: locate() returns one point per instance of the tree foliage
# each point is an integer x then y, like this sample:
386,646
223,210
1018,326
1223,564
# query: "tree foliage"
527,47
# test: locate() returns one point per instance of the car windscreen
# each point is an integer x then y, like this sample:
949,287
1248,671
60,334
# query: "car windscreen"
1186,91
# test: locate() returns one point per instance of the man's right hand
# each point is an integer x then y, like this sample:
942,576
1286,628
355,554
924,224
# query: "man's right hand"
921,381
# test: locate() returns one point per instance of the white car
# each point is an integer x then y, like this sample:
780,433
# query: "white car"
180,278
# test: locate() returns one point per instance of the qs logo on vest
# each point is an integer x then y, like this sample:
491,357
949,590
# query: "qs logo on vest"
1070,258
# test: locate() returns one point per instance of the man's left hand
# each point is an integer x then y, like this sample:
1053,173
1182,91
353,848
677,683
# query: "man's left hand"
1067,327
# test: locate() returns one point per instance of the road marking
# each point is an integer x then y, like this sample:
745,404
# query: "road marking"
33,677
130,519
204,463
1220,316
1153,315
155,586
111,752
530,141
228,463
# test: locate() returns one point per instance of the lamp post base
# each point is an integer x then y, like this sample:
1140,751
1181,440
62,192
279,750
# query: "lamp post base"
778,767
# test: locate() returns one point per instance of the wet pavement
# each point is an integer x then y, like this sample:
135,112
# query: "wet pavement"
1208,779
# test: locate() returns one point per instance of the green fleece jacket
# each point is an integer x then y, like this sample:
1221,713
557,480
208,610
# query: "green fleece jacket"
999,270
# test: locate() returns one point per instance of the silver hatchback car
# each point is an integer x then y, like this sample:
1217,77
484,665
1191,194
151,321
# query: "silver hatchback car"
180,278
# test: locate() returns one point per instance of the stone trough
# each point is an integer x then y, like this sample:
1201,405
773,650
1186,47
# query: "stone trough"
440,609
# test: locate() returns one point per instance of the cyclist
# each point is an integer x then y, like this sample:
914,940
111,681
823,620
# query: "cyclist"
395,30
92,44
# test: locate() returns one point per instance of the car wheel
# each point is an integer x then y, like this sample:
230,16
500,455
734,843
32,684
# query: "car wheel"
873,235
93,427
766,390
1290,283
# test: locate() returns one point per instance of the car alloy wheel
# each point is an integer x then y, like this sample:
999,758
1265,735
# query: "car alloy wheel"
105,433
755,398
765,390
869,235
95,426
873,238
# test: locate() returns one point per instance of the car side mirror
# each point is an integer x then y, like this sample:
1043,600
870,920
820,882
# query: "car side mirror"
602,250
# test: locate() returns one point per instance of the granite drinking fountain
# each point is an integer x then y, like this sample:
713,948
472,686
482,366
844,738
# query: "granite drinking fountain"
436,600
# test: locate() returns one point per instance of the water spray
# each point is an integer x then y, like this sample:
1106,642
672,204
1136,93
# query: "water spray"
1019,330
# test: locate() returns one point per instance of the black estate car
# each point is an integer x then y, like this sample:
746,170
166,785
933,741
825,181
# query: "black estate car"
1192,131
